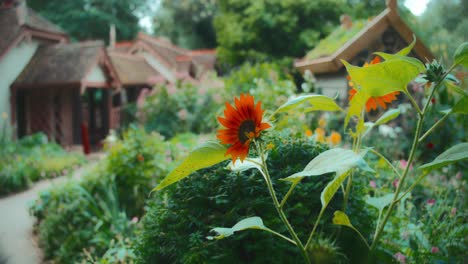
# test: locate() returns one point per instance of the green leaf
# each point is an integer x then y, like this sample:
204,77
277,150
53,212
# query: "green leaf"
461,107
318,103
247,164
387,116
405,51
331,188
386,77
334,160
454,87
380,202
254,222
461,55
203,156
340,218
454,154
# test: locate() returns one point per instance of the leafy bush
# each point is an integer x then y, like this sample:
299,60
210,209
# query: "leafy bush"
32,158
77,220
272,82
136,162
74,216
179,219
185,107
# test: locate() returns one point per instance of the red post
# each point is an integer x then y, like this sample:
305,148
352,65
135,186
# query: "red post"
85,138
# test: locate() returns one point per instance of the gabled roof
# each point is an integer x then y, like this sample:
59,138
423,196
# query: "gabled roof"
65,65
205,57
330,61
163,47
18,19
133,69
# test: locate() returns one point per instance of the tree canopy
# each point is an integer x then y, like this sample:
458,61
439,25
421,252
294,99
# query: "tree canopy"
259,30
91,19
188,23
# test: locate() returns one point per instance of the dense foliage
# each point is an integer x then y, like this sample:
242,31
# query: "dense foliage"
265,30
33,158
88,214
188,23
179,219
84,19
180,108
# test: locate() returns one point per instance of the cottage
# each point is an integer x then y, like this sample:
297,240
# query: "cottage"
355,42
50,85
22,32
64,86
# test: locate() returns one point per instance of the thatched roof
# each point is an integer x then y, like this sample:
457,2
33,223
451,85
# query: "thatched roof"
133,69
15,19
61,64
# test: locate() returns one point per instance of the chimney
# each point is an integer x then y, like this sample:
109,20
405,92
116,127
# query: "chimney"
346,22
21,12
112,36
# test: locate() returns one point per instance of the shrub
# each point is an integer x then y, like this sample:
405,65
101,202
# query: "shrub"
32,158
271,82
185,107
179,218
77,220
136,162
73,216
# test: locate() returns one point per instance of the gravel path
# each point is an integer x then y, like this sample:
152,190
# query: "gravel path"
16,225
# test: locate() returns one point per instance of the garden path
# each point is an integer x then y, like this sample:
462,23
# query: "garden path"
17,242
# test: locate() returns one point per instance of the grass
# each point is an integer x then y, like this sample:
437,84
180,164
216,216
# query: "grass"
335,40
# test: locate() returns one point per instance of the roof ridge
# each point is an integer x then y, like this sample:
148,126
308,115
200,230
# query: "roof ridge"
167,44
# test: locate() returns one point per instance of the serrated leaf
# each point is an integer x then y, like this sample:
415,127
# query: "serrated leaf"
461,55
380,202
254,222
318,102
340,218
387,116
334,160
203,156
454,154
461,107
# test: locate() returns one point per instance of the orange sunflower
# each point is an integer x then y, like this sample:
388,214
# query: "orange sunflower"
243,123
373,102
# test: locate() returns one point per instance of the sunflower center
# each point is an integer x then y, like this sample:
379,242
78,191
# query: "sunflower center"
246,130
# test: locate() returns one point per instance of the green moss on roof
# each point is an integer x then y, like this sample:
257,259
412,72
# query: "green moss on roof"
335,40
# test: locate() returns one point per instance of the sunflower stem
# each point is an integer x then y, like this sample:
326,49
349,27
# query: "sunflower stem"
277,204
396,197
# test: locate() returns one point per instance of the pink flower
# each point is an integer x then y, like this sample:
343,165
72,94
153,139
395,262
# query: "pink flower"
434,250
171,90
373,184
182,114
395,183
453,212
400,257
431,202
135,220
458,176
404,163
